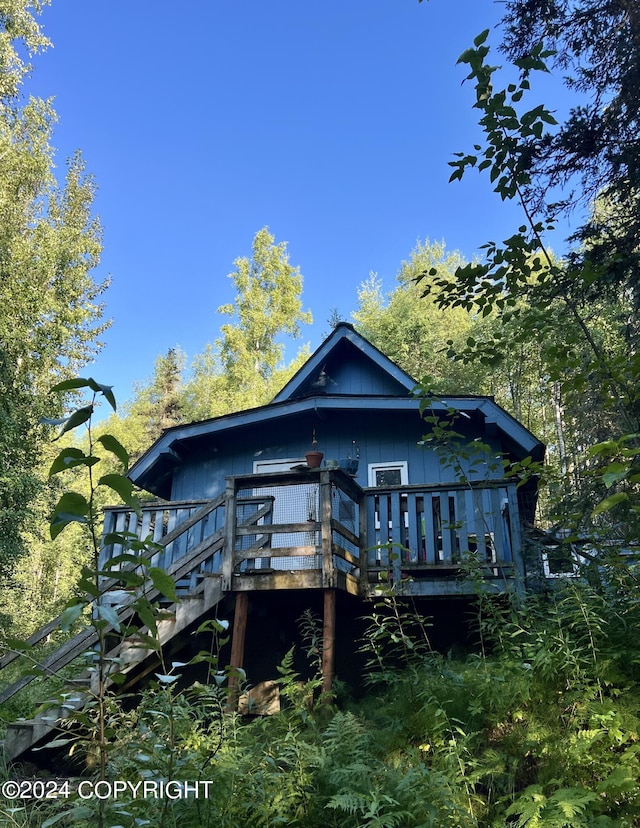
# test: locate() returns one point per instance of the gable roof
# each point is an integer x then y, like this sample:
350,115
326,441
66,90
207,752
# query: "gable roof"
323,372
345,373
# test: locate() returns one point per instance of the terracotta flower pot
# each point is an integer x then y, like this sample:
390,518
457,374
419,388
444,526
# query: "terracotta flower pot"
314,458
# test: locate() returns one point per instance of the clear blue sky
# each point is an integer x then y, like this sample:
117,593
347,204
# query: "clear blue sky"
331,122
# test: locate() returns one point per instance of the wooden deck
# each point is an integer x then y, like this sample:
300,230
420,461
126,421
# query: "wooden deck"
317,529
296,530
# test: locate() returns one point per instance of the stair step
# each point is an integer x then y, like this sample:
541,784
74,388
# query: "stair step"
22,735
19,738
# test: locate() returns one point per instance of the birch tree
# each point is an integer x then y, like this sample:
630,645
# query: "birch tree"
50,314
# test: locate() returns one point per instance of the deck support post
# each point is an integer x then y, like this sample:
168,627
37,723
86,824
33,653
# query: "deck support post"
328,640
237,644
228,552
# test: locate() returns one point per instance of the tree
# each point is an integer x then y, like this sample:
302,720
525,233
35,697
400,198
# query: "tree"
267,305
582,307
244,368
159,405
413,333
50,316
595,43
592,160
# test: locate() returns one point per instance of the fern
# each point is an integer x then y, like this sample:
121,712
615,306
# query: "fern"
565,808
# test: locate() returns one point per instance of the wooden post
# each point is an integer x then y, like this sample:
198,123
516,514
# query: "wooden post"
228,551
363,581
237,644
328,640
328,579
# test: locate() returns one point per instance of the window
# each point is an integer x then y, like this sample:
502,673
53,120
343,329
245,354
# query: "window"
389,474
561,562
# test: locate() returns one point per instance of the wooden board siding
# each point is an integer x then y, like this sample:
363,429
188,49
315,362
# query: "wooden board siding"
352,372
382,436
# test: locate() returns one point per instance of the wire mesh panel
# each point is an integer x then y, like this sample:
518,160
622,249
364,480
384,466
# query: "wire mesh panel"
346,512
273,511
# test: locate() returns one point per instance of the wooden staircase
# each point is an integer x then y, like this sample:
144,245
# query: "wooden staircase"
195,568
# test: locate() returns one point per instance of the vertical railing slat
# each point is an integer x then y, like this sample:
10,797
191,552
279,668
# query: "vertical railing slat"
463,534
516,534
430,539
480,525
414,539
499,547
372,552
396,535
230,534
121,526
504,511
146,524
167,557
445,529
328,579
383,514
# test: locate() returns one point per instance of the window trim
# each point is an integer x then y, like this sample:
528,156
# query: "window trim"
402,465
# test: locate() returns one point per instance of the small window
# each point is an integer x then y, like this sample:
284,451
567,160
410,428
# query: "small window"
560,562
388,474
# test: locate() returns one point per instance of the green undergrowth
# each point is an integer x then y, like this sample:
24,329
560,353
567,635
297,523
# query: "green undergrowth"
43,687
539,728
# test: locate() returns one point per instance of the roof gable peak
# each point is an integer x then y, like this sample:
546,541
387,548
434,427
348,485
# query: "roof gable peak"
347,363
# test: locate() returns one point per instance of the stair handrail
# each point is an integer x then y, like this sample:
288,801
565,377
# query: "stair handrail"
175,570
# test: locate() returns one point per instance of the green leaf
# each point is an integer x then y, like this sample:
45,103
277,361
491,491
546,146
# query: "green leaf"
609,502
145,611
77,418
129,579
71,384
125,557
17,644
52,421
72,503
120,484
608,447
80,812
163,583
69,616
70,457
614,473
466,56
115,447
109,615
72,507
105,390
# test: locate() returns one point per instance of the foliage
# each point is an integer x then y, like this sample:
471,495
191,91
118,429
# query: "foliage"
159,404
594,154
49,244
244,367
572,306
411,332
541,727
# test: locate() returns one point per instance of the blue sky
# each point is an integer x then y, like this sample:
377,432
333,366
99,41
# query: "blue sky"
331,123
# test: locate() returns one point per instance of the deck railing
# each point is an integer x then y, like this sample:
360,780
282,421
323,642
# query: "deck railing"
183,529
308,520
431,531
295,521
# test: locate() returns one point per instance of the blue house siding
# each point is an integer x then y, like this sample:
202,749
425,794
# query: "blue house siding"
349,372
381,436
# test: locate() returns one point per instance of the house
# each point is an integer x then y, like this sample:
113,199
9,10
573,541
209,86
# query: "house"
245,515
